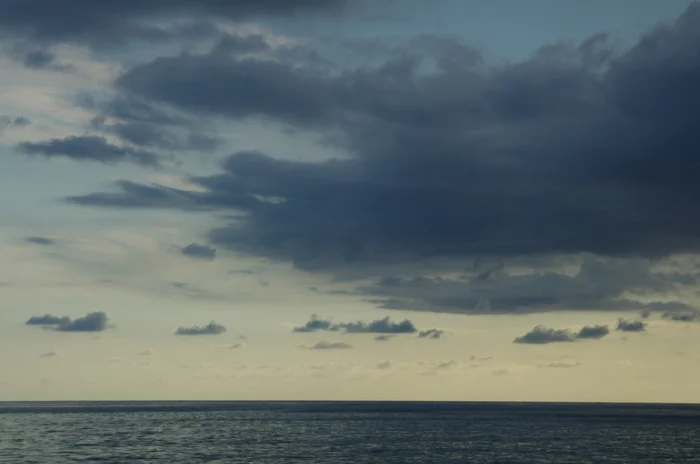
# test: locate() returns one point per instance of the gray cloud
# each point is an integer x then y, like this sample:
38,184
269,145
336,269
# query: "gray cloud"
381,326
40,240
593,331
383,338
50,354
48,319
8,122
579,149
197,251
84,22
628,325
431,333
559,365
89,148
92,322
210,329
542,335
314,324
333,345
682,316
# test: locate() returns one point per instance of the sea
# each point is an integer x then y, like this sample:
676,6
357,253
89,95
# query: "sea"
347,432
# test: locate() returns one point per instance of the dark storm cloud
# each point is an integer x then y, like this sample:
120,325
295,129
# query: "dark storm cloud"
431,333
89,148
36,56
593,331
151,135
325,345
197,251
210,329
92,322
578,149
9,122
48,319
40,241
119,23
599,284
628,325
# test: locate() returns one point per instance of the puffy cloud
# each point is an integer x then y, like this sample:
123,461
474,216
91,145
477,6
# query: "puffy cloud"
314,324
542,335
628,325
92,322
210,329
197,251
593,331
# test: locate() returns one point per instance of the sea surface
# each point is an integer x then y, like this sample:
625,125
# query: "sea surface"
347,432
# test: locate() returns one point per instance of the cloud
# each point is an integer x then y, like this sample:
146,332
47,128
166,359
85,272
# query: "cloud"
48,319
40,240
381,326
593,331
628,325
197,251
148,352
50,354
210,329
581,149
384,365
314,324
92,322
542,335
89,148
431,333
682,316
385,325
384,338
332,345
10,122
109,26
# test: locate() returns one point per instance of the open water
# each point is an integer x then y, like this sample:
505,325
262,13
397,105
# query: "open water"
347,432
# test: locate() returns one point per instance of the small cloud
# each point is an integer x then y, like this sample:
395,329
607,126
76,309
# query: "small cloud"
197,251
93,322
48,319
559,365
541,335
500,372
682,316
210,329
384,365
628,325
593,332
384,337
480,358
379,326
645,314
431,333
40,241
50,354
332,345
231,346
315,324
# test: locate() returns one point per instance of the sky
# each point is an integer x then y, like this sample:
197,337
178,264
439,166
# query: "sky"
349,200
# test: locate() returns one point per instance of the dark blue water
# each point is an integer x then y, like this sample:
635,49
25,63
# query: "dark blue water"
333,432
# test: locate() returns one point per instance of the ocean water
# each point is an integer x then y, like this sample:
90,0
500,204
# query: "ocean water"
347,432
